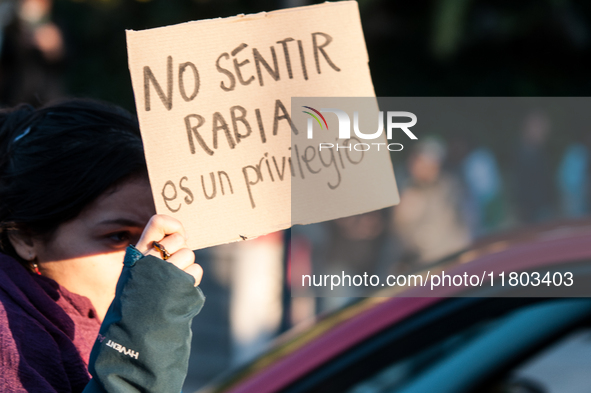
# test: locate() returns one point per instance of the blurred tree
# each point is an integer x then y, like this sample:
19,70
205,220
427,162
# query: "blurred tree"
95,37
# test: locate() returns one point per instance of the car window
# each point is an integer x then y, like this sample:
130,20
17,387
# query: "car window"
441,359
561,368
399,373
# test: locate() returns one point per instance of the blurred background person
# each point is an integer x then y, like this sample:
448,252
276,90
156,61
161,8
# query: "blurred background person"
573,178
532,181
484,183
32,53
354,245
457,150
429,221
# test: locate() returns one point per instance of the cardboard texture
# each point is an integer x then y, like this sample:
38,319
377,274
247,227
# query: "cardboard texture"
214,99
333,182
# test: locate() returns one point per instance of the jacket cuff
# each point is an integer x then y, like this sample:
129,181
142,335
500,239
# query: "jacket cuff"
144,341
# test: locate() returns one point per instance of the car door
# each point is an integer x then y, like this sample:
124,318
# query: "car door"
458,345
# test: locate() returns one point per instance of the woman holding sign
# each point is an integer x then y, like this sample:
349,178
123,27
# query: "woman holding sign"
74,199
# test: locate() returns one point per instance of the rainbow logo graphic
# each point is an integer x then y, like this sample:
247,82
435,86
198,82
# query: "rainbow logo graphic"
317,119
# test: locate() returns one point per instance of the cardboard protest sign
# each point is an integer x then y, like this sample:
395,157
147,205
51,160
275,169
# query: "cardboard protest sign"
214,103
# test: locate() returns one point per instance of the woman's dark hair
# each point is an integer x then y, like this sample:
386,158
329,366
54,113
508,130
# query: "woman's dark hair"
56,160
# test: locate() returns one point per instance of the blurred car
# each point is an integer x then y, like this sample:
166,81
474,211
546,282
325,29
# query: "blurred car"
494,344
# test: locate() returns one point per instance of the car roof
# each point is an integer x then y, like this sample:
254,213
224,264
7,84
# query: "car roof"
302,350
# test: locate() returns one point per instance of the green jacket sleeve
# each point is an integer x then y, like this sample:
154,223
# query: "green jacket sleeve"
145,339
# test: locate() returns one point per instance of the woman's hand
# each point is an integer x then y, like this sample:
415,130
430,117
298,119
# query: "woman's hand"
169,232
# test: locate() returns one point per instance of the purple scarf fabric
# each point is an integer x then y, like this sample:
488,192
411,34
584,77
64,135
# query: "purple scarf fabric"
46,333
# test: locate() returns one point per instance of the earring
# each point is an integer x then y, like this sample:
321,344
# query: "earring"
34,266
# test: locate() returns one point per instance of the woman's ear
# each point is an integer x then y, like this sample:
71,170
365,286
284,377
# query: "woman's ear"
23,245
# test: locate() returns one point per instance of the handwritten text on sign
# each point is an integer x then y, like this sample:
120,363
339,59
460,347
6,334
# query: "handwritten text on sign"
213,99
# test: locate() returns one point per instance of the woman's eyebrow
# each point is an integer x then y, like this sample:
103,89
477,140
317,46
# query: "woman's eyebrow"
122,222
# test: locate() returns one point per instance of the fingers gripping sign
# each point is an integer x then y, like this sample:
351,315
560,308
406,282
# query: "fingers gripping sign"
164,237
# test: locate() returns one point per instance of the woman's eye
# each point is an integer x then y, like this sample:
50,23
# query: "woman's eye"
119,237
